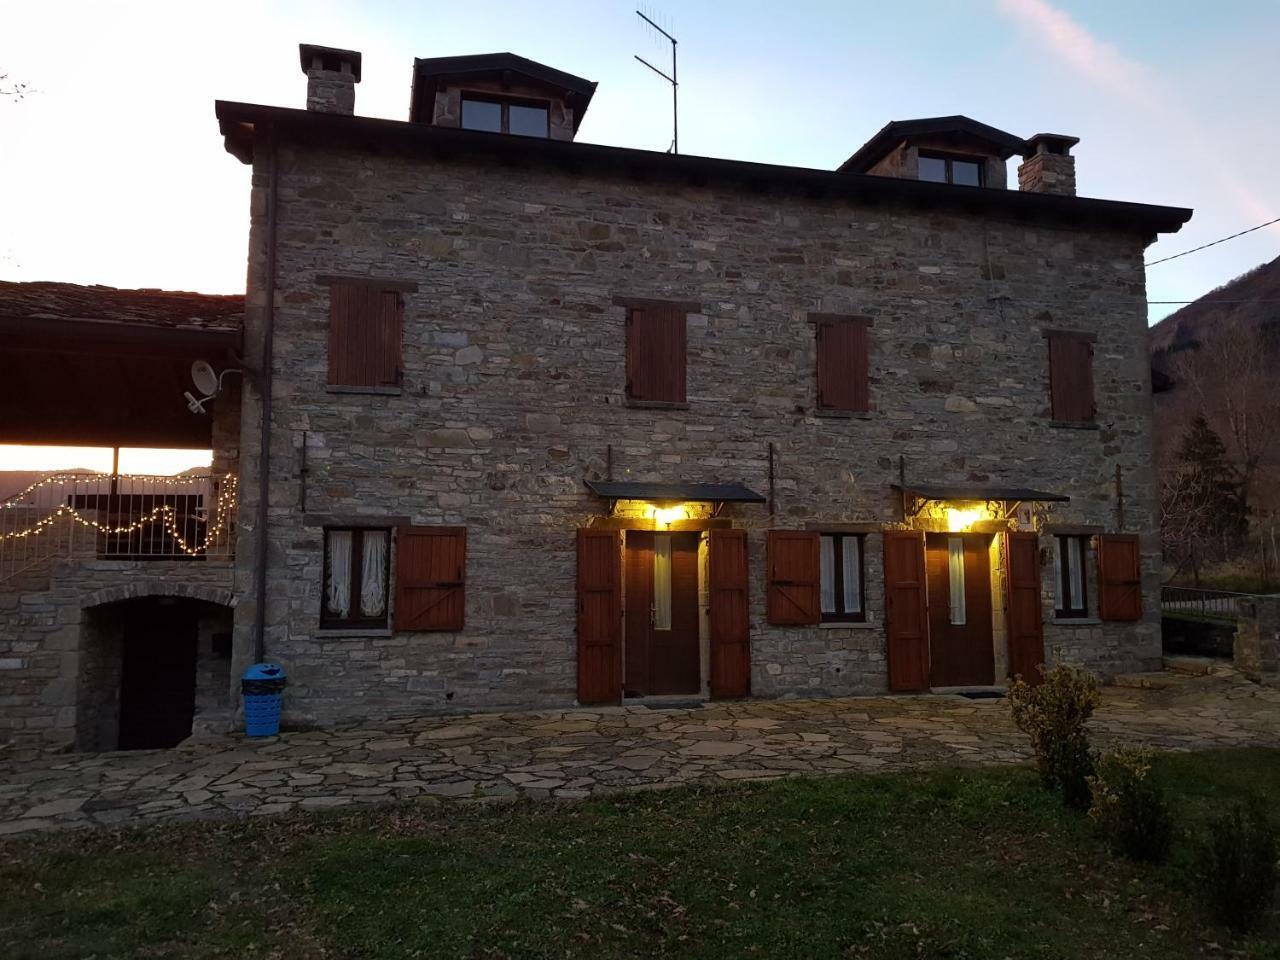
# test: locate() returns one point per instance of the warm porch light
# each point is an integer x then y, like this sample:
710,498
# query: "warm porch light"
664,516
961,519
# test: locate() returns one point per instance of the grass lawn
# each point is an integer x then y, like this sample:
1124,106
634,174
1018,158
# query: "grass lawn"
946,863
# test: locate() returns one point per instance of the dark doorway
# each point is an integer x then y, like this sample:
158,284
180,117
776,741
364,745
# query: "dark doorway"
158,677
961,652
661,614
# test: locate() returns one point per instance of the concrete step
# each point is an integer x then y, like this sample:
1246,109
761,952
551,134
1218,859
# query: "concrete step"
1193,666
1156,680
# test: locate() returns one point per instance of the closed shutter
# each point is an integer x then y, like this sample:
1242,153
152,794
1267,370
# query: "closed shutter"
906,612
842,365
431,565
1071,378
599,616
364,335
1026,613
1119,577
794,578
656,348
730,626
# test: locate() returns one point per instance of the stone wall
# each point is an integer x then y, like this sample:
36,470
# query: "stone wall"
1257,641
513,389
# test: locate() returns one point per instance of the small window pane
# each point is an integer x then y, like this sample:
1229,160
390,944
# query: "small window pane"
662,582
482,115
933,168
955,571
1075,572
337,581
966,173
852,570
527,121
827,556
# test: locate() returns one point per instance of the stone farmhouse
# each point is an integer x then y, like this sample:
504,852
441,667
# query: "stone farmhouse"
525,422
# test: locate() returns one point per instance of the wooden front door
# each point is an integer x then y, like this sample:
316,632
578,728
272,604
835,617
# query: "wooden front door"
158,677
661,614
599,616
959,579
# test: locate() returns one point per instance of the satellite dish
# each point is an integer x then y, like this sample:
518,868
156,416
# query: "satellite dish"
204,377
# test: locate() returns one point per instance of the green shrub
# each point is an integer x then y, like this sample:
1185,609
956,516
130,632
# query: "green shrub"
1238,866
1053,714
1129,806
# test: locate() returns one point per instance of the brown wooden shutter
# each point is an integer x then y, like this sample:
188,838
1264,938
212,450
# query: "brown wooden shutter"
730,626
364,335
1071,378
1119,577
431,565
794,575
842,365
906,613
1026,613
656,351
599,616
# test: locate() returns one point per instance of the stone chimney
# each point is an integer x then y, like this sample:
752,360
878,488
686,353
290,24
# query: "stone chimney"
1047,166
332,75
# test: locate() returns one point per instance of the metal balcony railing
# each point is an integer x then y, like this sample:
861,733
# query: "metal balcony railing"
1194,602
121,517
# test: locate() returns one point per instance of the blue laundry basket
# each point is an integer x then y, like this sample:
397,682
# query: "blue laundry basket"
262,686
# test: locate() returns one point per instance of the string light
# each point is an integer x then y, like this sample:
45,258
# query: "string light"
155,480
164,514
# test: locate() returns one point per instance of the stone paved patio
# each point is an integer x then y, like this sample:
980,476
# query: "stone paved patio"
578,753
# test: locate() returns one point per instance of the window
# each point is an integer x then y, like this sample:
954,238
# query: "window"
364,334
955,580
504,116
940,168
662,581
656,346
1069,577
356,571
840,565
842,363
1070,377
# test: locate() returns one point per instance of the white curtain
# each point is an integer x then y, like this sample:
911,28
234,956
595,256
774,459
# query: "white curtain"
1075,570
373,574
338,585
662,582
955,570
852,570
827,568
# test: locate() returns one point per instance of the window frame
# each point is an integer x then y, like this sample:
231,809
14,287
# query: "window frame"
1065,606
840,615
505,103
331,622
949,159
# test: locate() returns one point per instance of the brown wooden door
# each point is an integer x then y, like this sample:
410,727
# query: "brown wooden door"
961,651
599,616
907,625
730,623
662,658
158,678
1026,613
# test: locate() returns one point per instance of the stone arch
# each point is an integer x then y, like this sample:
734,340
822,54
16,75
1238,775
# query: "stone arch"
159,588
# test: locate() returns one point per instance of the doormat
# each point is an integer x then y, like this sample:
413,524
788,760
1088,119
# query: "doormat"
983,694
665,704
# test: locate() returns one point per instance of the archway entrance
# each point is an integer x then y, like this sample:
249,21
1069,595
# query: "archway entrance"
158,675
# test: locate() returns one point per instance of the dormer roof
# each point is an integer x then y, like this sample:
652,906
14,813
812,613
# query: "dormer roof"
1001,144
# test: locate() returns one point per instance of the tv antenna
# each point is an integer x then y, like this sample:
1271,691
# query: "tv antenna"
675,86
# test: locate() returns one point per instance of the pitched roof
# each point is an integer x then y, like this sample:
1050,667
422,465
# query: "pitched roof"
169,309
895,131
427,74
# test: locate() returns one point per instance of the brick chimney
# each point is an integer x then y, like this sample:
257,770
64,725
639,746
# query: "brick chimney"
332,75
1047,166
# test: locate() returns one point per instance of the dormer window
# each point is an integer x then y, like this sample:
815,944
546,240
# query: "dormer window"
941,168
494,115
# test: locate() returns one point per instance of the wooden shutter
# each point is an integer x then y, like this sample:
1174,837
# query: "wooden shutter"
906,613
1119,577
431,564
1026,613
842,365
730,627
1071,378
794,577
599,616
364,335
656,348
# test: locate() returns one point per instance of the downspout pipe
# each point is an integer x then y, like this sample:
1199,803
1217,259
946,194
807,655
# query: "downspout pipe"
264,389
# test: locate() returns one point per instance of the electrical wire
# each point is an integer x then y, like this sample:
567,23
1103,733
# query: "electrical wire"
1206,246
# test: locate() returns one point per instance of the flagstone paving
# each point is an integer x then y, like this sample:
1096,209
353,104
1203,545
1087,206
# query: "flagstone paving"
579,753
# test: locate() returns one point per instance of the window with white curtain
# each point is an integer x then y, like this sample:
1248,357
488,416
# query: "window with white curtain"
1069,578
662,581
841,583
955,579
357,566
